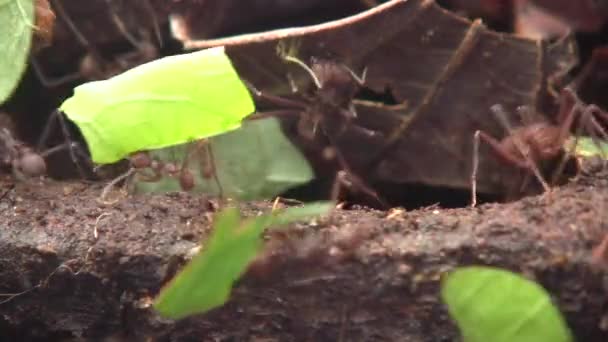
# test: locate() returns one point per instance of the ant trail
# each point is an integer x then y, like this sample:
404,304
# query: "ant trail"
501,115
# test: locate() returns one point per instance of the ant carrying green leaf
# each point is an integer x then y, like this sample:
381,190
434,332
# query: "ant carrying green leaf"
170,101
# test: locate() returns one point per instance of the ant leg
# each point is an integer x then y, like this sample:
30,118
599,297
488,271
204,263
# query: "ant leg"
272,114
475,167
595,130
156,26
568,100
208,167
529,163
58,6
70,141
106,190
46,132
276,100
568,121
52,82
349,178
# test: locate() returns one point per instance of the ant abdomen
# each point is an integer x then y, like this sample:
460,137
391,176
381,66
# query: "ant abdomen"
186,180
30,164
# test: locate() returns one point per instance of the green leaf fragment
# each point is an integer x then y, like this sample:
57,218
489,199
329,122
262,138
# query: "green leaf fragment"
206,282
586,147
166,102
496,305
256,161
16,28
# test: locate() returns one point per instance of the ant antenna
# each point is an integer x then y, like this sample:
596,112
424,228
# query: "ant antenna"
358,79
287,54
155,24
109,186
501,114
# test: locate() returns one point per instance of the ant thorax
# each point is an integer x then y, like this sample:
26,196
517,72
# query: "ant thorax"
338,85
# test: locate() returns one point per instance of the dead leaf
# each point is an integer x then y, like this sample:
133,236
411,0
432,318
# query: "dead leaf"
580,15
450,71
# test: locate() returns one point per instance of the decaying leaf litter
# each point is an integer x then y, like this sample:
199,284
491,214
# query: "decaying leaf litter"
563,59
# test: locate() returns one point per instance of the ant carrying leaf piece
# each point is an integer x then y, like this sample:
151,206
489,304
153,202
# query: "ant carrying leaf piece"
537,146
166,102
256,161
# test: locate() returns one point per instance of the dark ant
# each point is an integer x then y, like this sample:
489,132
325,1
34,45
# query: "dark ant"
533,145
325,114
22,160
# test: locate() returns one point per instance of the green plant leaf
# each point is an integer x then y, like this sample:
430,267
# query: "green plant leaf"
256,161
206,282
166,102
17,22
496,305
585,147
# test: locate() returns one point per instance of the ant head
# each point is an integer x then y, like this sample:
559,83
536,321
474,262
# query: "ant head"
140,160
338,84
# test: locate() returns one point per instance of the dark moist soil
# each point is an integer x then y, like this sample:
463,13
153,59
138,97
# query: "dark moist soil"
87,271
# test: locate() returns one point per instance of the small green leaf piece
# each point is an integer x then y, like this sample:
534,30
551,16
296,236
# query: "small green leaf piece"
256,161
586,147
206,282
168,101
496,305
17,22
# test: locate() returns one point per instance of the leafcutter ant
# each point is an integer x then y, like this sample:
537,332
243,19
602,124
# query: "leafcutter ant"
20,159
146,168
324,114
537,144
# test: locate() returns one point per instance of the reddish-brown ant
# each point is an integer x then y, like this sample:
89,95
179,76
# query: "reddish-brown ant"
148,169
325,114
530,146
22,160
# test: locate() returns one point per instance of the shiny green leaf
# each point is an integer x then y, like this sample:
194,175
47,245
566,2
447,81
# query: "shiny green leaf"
496,305
166,102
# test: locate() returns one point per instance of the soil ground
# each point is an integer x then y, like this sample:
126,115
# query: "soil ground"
83,270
